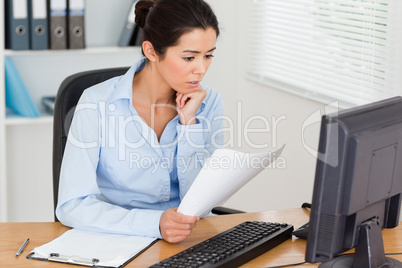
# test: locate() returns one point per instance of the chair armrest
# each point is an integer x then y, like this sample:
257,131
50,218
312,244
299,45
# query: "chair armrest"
224,211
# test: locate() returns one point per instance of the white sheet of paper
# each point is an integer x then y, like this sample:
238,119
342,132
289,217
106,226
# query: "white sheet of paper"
223,174
110,249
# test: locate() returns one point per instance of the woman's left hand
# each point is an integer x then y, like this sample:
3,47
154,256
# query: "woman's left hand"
188,105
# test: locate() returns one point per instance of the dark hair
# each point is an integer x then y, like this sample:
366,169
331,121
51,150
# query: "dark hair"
163,22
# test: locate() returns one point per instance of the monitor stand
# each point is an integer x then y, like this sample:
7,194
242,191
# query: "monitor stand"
369,251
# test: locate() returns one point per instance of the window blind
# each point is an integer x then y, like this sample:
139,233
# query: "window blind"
344,50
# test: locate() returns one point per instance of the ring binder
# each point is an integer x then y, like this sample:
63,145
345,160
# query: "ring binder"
17,31
58,24
76,13
39,38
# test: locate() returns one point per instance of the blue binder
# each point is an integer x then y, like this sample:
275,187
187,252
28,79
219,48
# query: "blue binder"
17,31
17,95
39,29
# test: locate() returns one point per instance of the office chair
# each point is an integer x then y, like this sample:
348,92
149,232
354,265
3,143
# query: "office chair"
67,98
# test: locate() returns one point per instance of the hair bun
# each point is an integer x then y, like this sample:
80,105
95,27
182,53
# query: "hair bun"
142,9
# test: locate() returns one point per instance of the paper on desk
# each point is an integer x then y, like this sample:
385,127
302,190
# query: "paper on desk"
81,247
223,174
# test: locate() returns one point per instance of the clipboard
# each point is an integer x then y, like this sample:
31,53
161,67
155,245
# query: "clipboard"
78,247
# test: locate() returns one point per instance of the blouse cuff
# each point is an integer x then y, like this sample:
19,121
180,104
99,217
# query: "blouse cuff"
146,222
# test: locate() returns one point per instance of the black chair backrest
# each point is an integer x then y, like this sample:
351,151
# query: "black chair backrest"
67,98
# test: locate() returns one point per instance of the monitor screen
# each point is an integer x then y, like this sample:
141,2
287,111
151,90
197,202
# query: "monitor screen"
358,184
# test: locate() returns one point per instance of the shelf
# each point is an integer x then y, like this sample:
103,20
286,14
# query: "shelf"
13,119
47,75
86,51
29,140
23,121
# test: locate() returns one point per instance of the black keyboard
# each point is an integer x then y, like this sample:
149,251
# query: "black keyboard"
232,247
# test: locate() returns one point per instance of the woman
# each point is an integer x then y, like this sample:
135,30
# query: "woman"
138,141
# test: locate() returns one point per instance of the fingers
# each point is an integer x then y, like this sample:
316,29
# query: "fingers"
175,226
188,105
181,99
197,95
178,221
173,232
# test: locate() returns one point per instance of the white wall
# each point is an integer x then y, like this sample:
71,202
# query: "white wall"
290,183
104,21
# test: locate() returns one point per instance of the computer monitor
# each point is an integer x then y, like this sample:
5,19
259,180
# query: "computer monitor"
358,185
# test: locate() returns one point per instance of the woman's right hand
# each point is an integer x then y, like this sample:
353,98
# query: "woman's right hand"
175,227
188,105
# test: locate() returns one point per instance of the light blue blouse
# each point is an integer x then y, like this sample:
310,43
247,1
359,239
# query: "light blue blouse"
115,176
